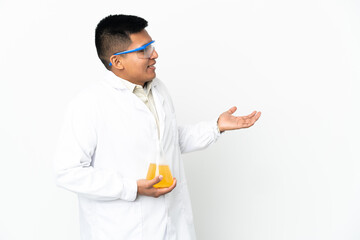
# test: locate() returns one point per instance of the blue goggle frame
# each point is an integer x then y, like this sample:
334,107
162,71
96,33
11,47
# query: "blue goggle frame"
133,50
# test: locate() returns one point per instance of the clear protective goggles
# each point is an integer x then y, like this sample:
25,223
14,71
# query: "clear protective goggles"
142,52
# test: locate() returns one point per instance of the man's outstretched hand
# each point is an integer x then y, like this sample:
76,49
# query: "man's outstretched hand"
145,187
227,121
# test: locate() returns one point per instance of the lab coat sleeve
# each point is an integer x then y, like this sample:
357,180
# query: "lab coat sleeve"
73,158
198,136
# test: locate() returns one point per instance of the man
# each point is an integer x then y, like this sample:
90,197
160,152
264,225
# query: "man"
112,132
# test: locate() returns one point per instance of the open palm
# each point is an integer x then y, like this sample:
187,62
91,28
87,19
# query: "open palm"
227,121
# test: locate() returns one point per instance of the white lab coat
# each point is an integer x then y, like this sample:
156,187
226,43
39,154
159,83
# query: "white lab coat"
107,141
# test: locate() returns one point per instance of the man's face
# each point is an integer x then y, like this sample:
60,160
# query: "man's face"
138,70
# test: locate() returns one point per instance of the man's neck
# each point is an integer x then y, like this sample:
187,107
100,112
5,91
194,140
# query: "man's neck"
118,74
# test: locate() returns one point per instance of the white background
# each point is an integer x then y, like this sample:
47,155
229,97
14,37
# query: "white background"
294,175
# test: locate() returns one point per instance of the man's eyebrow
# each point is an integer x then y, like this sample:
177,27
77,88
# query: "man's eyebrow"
146,43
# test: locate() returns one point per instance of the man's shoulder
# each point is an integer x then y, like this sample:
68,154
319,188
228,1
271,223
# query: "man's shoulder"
88,96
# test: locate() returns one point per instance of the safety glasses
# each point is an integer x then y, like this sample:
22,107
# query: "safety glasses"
142,52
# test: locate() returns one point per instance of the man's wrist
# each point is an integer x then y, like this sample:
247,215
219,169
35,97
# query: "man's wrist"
217,124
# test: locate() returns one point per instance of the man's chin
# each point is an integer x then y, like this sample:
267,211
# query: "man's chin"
152,76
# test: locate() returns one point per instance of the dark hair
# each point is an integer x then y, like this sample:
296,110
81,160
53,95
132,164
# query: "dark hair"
112,34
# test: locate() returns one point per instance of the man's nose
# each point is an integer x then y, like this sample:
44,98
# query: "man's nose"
154,55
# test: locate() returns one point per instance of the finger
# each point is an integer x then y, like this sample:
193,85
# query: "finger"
232,110
254,119
163,191
155,180
251,114
173,185
257,116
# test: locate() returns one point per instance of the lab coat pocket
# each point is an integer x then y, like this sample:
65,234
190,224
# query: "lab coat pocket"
181,213
120,219
175,201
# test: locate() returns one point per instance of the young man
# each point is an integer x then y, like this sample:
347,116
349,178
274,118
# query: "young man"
112,131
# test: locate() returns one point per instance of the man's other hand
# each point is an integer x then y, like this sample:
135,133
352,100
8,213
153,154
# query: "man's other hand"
145,187
227,121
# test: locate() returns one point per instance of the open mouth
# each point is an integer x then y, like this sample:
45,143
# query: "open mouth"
152,66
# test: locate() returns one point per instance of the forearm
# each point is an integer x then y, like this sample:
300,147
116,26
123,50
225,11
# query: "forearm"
97,184
198,136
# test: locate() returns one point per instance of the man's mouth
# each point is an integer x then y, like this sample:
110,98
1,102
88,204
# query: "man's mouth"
152,66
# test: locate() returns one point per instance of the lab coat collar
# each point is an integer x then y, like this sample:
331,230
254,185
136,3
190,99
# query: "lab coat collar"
132,87
116,82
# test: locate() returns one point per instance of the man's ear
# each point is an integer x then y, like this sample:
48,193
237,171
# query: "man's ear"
116,62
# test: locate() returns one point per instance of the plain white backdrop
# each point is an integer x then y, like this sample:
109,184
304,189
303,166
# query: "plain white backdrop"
294,175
